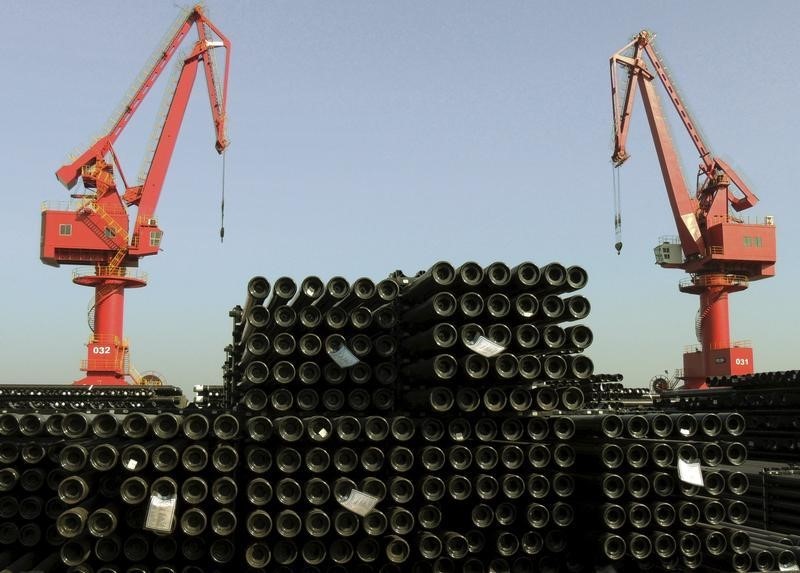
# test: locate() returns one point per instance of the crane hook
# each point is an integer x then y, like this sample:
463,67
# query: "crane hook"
617,209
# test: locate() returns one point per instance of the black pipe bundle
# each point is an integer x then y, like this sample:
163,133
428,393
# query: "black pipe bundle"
449,421
415,395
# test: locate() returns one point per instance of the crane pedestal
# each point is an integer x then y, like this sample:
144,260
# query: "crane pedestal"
107,361
717,356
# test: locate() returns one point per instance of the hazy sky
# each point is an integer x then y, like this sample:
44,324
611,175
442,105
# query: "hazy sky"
373,136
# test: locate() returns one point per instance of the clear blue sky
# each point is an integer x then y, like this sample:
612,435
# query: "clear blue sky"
373,136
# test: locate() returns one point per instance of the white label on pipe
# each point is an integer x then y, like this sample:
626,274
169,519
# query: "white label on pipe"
485,347
788,567
690,472
343,357
685,431
359,502
131,464
322,433
160,513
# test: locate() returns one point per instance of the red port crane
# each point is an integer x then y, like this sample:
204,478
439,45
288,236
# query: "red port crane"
720,251
94,228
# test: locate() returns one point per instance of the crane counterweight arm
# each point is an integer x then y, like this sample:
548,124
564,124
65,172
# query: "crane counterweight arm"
69,174
748,198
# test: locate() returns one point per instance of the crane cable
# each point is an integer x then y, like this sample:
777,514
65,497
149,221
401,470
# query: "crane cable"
617,208
222,205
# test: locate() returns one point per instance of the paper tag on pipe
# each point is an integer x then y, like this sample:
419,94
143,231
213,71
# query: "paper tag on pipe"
131,464
689,472
343,357
485,347
359,502
161,513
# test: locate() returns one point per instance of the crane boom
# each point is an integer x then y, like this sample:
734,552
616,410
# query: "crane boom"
96,231
721,252
69,173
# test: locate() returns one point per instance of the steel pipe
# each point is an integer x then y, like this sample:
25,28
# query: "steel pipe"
440,336
74,425
195,426
194,490
133,490
284,318
439,276
259,492
438,307
105,425
165,458
224,490
253,320
102,522
439,367
311,288
612,546
255,400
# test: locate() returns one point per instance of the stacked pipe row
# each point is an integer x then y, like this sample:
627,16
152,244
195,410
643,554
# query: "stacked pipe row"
29,479
650,514
280,359
418,419
606,392
767,402
445,311
771,495
211,396
119,492
775,392
29,397
501,448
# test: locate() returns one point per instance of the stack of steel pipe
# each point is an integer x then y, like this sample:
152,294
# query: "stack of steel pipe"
444,422
606,392
49,397
211,396
112,492
317,347
771,496
29,479
669,486
423,398
493,365
769,402
757,413
776,393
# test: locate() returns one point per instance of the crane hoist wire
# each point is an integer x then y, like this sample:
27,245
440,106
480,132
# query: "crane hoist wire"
617,208
222,205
